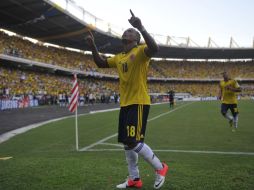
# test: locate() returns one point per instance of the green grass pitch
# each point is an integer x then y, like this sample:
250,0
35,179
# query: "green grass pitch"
45,158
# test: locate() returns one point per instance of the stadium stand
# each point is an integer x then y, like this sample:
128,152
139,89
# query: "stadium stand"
64,23
204,69
17,82
198,78
20,82
16,46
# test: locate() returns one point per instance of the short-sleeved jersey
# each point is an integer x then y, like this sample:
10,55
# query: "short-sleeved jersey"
229,97
132,69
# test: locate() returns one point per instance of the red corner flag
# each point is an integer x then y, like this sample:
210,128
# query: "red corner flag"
74,95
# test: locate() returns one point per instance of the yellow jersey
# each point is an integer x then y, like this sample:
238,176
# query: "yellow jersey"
132,69
229,97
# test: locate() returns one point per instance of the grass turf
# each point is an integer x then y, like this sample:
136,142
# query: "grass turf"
45,158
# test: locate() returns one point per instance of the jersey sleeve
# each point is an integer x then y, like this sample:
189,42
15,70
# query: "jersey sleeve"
111,62
142,52
236,85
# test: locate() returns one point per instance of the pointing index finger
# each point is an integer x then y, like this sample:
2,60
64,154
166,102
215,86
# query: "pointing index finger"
132,14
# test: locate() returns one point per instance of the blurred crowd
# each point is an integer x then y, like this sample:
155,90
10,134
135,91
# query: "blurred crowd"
204,69
17,81
196,89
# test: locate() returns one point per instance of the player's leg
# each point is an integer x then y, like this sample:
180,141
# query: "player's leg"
133,136
160,168
143,149
133,179
132,161
235,112
224,112
140,147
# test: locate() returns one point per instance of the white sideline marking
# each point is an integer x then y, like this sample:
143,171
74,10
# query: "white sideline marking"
98,142
183,151
6,158
106,110
6,136
158,116
114,135
112,144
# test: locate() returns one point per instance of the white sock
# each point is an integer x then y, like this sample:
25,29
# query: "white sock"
235,121
228,116
146,152
132,161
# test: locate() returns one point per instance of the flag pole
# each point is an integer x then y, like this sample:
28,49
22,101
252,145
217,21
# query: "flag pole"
73,106
76,127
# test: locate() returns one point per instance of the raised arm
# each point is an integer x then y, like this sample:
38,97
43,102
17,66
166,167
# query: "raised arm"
100,61
152,46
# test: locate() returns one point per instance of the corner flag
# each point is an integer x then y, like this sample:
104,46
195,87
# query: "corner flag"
73,106
74,95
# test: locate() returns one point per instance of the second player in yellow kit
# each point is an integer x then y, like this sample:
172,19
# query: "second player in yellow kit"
229,90
229,96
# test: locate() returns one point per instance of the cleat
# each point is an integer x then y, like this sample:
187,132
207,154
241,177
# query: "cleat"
160,176
231,123
129,183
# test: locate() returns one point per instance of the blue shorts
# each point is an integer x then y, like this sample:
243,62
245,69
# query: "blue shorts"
132,123
233,108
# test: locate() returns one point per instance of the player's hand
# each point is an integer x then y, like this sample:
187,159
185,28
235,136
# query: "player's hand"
135,21
89,39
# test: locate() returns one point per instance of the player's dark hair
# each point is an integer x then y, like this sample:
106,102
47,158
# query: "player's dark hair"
137,34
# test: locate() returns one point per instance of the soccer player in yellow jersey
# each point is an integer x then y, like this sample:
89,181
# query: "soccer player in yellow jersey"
229,89
132,66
